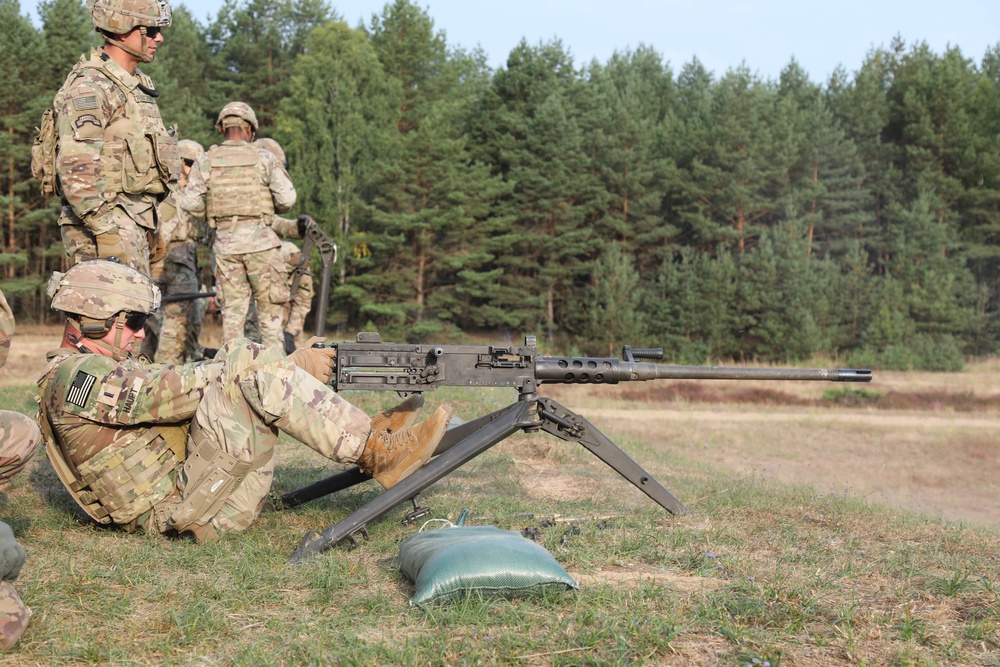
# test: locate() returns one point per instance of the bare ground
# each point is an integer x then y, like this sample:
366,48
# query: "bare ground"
941,462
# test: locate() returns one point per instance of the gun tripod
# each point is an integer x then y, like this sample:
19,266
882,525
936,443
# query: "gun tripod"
460,445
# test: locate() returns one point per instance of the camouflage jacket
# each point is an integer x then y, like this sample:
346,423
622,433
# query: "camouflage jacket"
6,329
94,402
112,147
254,192
109,419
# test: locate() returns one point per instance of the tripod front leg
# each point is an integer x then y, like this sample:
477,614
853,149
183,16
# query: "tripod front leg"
566,424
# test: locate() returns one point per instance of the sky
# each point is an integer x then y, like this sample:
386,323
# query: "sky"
723,34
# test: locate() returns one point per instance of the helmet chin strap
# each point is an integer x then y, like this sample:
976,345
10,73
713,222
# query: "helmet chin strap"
140,54
114,351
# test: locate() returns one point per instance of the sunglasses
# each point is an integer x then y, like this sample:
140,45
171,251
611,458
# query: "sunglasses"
152,31
135,321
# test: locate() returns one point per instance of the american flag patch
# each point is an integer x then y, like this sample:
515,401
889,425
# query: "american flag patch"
85,103
80,389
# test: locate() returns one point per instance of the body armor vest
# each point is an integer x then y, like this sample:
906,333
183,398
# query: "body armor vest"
236,184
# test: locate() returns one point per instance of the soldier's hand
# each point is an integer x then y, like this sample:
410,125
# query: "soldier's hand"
157,247
304,222
317,361
109,244
11,554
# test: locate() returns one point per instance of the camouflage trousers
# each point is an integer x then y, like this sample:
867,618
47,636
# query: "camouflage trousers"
253,276
19,438
79,244
259,393
172,331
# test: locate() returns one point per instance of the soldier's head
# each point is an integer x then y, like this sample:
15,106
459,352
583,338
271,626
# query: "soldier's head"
134,26
274,148
105,304
237,116
190,151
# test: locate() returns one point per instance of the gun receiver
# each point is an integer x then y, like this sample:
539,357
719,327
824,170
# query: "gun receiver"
369,364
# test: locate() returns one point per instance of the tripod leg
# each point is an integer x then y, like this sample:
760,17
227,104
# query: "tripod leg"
504,423
566,424
348,478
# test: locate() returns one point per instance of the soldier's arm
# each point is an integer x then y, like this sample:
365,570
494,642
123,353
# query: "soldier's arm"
282,190
192,196
84,114
6,328
127,393
285,227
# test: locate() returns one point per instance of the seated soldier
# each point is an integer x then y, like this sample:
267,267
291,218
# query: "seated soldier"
188,448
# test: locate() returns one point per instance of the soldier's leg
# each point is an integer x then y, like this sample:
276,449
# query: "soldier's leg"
79,243
228,470
175,330
19,438
270,293
252,330
232,283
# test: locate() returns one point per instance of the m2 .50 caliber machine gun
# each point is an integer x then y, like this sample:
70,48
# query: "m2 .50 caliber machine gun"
369,364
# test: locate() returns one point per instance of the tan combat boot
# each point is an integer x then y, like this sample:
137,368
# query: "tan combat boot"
400,417
389,457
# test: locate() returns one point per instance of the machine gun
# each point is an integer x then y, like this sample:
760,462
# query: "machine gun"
369,364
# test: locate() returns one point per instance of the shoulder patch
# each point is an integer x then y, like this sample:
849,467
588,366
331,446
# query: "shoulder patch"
79,391
87,119
85,103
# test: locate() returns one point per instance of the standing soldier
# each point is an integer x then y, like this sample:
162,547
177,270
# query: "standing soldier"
19,438
189,448
114,159
237,188
172,331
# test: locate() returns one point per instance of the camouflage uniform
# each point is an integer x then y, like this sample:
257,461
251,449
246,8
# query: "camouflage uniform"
115,160
251,185
19,438
119,422
299,304
172,331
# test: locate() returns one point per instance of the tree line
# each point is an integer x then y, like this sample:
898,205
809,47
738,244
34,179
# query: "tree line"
718,216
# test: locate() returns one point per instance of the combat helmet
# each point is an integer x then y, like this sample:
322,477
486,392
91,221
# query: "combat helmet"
190,149
274,148
99,294
233,114
119,17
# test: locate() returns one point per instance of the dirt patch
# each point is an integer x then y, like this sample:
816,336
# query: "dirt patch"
639,577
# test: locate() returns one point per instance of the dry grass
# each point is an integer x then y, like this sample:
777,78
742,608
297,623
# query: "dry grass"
788,556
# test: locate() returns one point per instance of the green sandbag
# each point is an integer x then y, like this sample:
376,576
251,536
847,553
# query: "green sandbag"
451,562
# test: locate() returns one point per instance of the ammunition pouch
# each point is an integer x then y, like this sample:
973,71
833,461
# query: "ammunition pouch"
212,475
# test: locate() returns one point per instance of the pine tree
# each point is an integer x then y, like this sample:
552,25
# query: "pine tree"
338,130
628,132
22,99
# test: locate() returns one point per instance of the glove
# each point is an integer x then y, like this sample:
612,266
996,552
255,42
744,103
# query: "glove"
317,361
157,247
11,554
304,222
289,342
109,244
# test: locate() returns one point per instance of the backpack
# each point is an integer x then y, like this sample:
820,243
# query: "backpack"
43,154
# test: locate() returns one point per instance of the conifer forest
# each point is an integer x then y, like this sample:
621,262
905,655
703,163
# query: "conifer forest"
719,215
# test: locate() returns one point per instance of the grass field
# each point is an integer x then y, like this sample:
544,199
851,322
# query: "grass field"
771,566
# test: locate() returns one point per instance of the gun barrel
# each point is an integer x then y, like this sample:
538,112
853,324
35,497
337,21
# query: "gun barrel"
582,370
